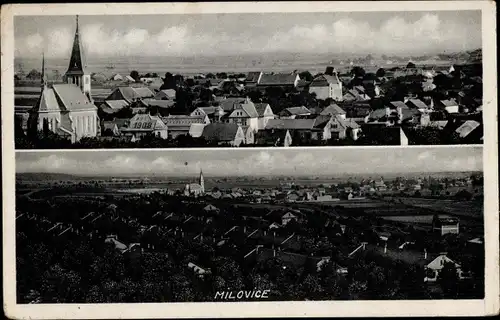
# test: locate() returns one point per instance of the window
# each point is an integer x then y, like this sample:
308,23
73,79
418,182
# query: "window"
334,126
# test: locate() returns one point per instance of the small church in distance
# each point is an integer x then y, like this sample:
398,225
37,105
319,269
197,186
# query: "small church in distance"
195,189
67,108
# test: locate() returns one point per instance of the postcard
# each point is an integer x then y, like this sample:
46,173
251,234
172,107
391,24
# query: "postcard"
188,160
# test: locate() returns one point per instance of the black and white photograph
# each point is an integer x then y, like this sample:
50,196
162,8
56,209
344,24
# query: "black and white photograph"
250,159
248,79
193,226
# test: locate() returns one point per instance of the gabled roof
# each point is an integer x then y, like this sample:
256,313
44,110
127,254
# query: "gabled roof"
324,80
400,104
144,92
72,98
261,108
169,93
270,137
165,104
418,103
210,110
332,110
291,124
229,103
196,129
253,76
467,127
145,122
249,108
277,79
298,110
449,103
173,121
127,93
112,106
47,101
220,131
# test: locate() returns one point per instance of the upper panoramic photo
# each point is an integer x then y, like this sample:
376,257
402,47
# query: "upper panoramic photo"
248,80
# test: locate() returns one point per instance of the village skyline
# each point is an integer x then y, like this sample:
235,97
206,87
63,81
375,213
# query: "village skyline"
249,162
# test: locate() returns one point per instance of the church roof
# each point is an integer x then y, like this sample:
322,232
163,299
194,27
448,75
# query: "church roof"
63,97
76,65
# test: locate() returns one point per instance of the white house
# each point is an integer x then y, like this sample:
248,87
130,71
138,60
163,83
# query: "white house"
327,86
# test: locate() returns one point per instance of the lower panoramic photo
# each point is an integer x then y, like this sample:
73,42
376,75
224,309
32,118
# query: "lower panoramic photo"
249,225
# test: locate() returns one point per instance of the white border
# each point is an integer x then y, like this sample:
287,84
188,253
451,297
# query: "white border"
488,306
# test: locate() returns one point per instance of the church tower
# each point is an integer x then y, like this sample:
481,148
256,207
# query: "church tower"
76,70
202,182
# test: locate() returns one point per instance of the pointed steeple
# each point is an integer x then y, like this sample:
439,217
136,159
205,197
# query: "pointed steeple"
43,79
76,66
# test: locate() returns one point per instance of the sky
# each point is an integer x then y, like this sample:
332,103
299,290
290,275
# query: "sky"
251,33
244,162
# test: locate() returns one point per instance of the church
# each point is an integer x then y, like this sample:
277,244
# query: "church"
195,189
67,108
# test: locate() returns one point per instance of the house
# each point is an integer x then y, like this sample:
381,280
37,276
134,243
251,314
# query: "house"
283,80
210,208
275,138
341,128
166,94
355,94
252,78
380,185
229,133
333,110
443,224
470,131
213,113
113,106
244,114
249,134
228,104
327,86
303,129
196,129
122,247
433,268
451,106
293,112
287,217
110,128
265,114
144,124
181,124
130,94
117,77
198,271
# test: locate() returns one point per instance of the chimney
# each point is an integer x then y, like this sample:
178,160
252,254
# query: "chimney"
385,247
425,254
201,237
387,112
244,229
274,252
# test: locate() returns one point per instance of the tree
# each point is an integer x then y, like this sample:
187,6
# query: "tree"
410,65
448,279
135,75
380,72
306,75
358,72
34,74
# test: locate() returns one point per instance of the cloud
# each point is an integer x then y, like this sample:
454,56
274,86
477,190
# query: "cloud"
429,33
291,161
